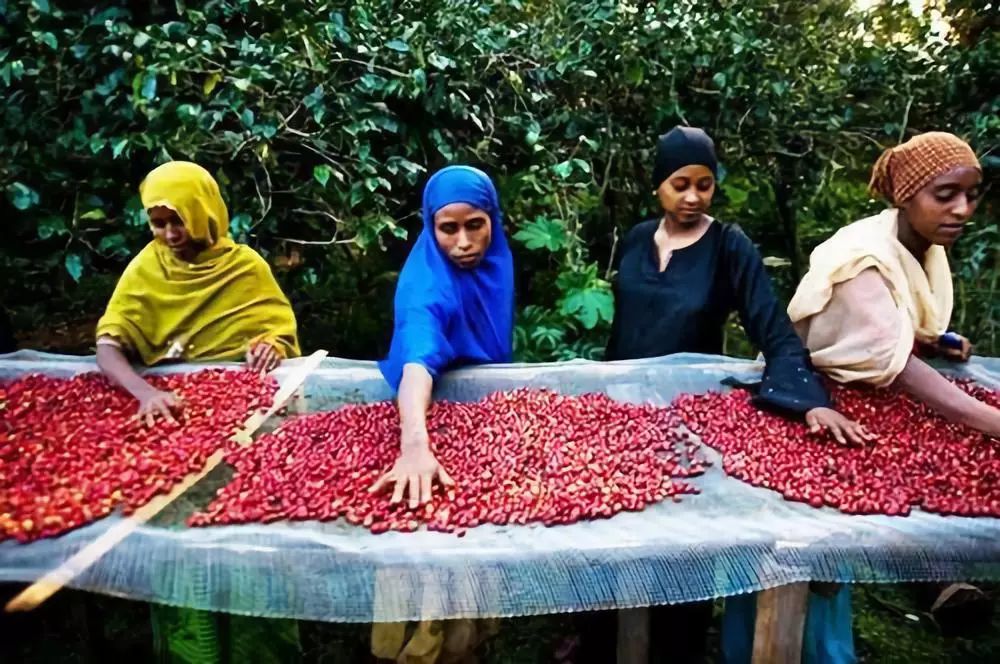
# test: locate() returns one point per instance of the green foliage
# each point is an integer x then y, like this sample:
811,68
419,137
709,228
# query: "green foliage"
543,233
321,119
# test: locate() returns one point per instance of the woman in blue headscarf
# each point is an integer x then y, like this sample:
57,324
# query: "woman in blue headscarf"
454,306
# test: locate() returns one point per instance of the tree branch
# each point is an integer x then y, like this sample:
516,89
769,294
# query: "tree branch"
322,243
906,119
319,213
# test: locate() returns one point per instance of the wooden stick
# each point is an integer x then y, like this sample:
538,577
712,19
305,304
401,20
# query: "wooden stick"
53,581
781,617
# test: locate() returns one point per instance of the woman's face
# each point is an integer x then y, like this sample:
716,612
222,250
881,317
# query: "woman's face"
687,194
463,232
938,212
169,229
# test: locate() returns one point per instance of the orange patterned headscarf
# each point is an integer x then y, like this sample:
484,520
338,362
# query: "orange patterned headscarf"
902,171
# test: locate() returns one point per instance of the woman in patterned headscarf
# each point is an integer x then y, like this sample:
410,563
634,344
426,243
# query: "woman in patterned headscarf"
878,294
876,297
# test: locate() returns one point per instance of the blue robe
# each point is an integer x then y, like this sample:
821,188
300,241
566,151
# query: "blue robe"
446,316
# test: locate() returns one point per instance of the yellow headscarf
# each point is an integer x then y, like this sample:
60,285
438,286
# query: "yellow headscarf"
213,308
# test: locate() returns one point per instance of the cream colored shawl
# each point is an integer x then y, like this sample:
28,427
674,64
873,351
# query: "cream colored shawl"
922,295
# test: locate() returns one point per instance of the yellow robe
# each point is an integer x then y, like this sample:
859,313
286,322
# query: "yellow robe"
215,307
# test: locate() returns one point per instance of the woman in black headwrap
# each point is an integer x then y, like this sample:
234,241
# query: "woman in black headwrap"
679,278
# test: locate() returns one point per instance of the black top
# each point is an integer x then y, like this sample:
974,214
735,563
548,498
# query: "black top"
685,307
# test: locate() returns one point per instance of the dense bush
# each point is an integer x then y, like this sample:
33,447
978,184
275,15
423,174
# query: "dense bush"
321,120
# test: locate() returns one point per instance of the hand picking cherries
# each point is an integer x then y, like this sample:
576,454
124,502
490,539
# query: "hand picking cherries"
71,450
918,460
516,457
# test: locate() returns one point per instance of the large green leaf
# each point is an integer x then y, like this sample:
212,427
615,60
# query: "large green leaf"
148,89
736,195
48,39
114,244
589,305
543,233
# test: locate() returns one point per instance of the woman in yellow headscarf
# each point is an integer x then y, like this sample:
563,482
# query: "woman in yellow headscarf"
192,294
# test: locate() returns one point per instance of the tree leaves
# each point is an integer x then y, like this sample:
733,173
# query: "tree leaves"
239,226
118,147
542,233
321,174
97,214
565,169
51,226
589,305
280,99
22,196
74,266
113,245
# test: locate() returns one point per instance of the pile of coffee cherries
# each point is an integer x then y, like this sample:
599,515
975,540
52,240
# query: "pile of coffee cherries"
525,456
72,451
918,460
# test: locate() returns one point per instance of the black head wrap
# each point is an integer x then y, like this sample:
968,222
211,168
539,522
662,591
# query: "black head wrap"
680,147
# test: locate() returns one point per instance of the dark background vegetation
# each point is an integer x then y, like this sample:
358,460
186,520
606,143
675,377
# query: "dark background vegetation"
322,119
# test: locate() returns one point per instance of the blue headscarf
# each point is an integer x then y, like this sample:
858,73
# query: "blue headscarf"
446,315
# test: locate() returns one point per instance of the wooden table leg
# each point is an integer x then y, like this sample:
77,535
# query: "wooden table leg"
781,617
633,636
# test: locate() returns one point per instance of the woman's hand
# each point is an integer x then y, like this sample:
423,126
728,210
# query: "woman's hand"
154,402
956,354
263,358
847,432
416,468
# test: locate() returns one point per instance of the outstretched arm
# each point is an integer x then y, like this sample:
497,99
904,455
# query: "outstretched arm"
925,384
416,467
